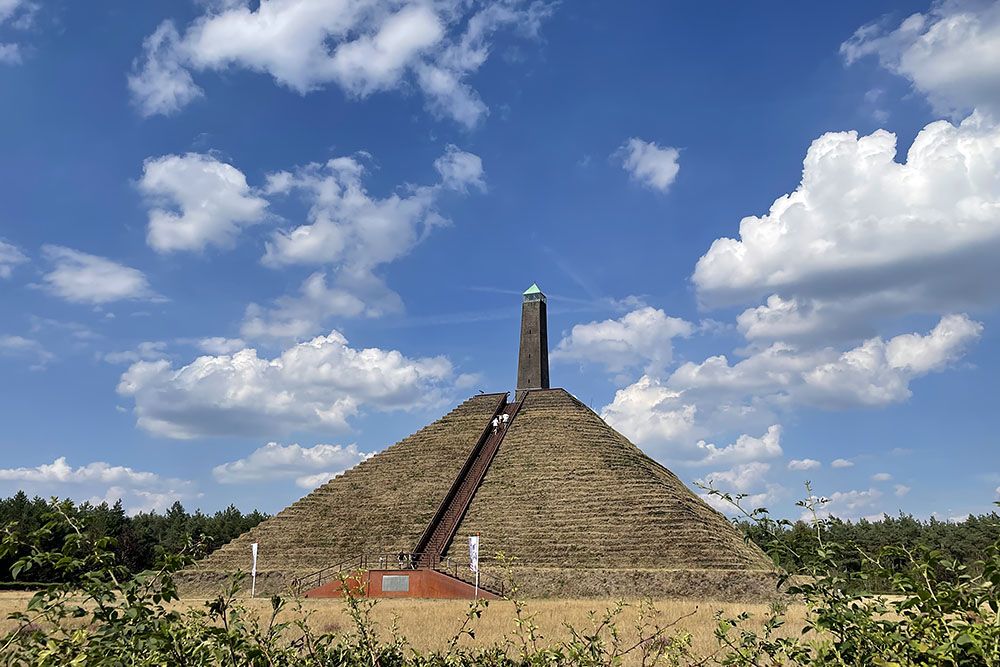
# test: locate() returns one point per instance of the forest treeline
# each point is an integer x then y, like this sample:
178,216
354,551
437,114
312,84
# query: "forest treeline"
798,549
140,539
936,611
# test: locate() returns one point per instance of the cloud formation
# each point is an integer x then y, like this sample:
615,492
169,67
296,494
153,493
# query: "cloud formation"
865,238
698,399
747,480
146,351
745,449
18,346
82,278
218,345
316,385
197,201
738,479
640,338
10,257
363,47
353,234
852,504
140,491
654,166
308,466
804,464
950,54
159,82
19,14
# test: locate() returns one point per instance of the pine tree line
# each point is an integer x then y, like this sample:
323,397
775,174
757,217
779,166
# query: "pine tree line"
140,539
963,542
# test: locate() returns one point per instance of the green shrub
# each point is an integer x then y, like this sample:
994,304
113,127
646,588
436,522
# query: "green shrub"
940,612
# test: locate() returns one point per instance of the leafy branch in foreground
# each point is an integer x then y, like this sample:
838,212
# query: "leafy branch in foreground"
940,612
936,611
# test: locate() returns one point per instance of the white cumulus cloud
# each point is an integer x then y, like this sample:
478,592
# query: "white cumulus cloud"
950,54
747,480
804,464
654,166
865,238
83,278
848,505
363,47
298,316
841,463
10,257
139,490
146,351
746,448
318,385
641,337
877,372
197,201
346,224
460,169
17,14
353,234
741,478
651,413
700,399
308,466
159,83
219,345
17,346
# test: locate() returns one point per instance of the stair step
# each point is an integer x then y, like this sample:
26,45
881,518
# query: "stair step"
440,533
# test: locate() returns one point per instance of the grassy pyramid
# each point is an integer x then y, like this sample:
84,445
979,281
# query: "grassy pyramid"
581,508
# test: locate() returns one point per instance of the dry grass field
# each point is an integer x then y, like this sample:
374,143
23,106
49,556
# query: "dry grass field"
429,624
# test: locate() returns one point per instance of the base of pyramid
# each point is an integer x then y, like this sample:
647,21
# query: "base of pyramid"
539,582
420,583
742,585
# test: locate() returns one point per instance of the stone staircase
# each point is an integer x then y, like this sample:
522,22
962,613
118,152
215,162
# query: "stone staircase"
441,530
381,505
568,491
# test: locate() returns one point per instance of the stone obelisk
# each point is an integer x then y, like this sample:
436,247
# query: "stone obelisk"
533,359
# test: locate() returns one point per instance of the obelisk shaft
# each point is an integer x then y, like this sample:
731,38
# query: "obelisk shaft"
533,359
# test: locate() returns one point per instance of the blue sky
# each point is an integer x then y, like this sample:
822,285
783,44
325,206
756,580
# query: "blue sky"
245,245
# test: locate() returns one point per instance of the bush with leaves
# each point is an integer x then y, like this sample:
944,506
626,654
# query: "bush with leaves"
941,612
936,610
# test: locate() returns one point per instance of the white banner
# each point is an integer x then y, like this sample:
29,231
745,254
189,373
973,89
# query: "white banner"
253,566
474,553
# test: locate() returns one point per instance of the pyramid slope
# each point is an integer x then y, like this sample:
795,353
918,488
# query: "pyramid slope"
568,491
381,505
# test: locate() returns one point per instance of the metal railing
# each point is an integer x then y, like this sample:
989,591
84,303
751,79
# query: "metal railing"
441,530
446,502
488,581
400,561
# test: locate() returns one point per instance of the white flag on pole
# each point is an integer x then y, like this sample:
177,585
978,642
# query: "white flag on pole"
253,570
474,553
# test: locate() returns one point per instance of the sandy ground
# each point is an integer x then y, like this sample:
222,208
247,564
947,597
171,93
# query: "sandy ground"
430,624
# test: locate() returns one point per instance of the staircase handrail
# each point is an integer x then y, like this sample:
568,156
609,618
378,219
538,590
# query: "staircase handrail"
364,561
492,583
459,481
469,462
